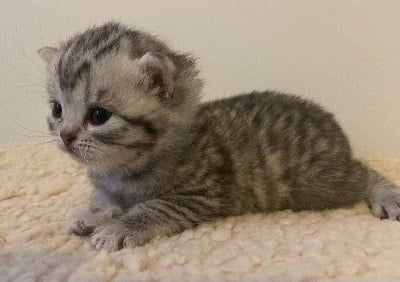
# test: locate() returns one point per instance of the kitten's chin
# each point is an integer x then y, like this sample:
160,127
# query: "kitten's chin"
121,167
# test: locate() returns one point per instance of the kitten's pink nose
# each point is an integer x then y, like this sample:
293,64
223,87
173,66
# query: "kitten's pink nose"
67,137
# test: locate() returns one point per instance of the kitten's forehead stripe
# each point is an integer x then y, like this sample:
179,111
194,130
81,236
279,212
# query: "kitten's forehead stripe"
99,96
61,60
114,44
101,35
83,69
87,87
90,45
69,79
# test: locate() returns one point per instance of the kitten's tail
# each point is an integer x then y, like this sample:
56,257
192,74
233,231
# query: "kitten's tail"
382,195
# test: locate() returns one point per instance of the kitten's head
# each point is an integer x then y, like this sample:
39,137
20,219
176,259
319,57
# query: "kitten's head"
119,97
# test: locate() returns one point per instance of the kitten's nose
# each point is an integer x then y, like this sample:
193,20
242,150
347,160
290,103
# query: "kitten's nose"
67,137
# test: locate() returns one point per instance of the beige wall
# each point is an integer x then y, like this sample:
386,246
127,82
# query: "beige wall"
344,54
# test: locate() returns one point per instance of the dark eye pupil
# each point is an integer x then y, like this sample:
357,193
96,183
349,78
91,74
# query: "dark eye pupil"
56,110
99,116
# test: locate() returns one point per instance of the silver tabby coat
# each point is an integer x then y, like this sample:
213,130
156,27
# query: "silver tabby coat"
128,107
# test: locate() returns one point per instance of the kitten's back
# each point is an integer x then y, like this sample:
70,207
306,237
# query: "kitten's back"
286,152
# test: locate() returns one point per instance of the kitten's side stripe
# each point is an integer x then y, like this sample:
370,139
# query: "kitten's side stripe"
114,138
204,208
165,215
172,212
265,192
187,213
147,125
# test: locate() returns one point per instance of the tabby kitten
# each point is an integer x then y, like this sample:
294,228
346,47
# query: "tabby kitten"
127,106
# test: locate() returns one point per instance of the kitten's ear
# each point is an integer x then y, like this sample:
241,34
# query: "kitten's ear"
47,53
158,72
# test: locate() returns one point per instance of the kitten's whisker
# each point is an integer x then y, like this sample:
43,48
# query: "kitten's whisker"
30,136
29,86
103,164
86,152
80,152
47,142
27,76
28,129
21,68
25,54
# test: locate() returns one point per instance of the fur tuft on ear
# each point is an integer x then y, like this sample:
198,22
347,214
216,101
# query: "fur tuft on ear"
47,53
158,71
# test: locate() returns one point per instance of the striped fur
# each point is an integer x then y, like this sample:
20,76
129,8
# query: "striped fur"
163,163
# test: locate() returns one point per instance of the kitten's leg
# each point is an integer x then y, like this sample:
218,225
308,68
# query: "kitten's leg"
99,212
158,217
383,197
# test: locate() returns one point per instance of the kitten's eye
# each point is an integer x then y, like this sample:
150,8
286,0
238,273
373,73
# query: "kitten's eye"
56,110
99,116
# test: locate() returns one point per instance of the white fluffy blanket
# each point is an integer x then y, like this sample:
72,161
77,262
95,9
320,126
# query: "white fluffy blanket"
39,186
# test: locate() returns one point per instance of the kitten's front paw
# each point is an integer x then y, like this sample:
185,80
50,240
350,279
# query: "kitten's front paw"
79,227
110,236
387,206
84,222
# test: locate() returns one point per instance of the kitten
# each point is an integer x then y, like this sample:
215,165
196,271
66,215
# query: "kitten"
127,106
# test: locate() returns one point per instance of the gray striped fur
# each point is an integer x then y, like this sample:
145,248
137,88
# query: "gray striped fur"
164,163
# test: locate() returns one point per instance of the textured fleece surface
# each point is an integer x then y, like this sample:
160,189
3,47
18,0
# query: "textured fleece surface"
40,186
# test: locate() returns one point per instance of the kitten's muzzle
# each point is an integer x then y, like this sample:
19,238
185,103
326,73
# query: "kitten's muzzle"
67,137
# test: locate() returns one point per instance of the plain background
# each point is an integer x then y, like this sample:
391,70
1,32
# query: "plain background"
343,54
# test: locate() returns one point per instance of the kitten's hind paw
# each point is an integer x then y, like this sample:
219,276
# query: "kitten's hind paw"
387,205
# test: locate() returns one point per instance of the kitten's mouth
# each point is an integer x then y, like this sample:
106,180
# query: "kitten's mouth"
86,160
79,155
84,152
